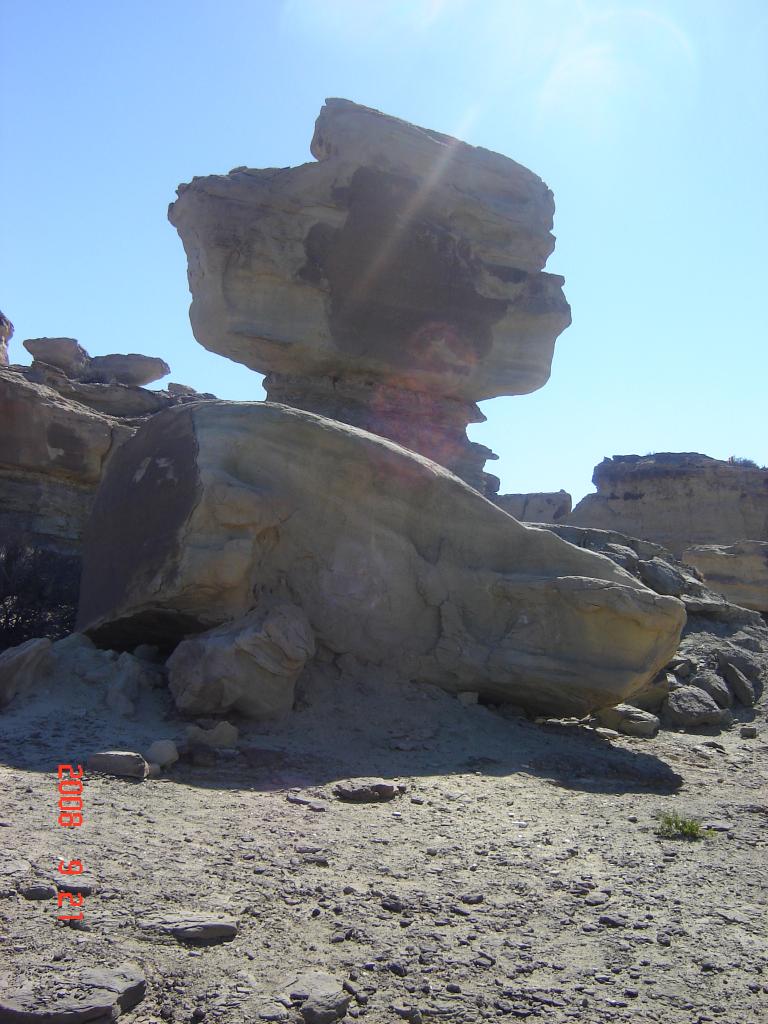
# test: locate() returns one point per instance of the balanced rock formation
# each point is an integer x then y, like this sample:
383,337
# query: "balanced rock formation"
677,500
541,507
219,509
72,359
391,285
740,570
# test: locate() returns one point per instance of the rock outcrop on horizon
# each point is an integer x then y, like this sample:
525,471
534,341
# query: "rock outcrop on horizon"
52,454
6,333
58,427
677,500
536,507
740,570
391,285
218,509
67,355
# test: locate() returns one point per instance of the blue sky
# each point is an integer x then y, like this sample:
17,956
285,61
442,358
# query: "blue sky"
648,120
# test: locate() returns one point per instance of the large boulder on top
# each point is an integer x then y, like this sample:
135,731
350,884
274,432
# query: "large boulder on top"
401,254
391,285
216,509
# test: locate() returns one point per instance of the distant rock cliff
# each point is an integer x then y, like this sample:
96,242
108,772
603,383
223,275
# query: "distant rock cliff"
677,499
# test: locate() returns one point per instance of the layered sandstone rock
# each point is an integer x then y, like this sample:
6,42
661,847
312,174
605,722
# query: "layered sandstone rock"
52,455
542,507
57,432
393,283
217,509
677,499
659,570
740,571
724,647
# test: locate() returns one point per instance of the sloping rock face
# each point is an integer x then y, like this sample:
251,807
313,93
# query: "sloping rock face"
392,284
677,500
217,509
740,571
541,507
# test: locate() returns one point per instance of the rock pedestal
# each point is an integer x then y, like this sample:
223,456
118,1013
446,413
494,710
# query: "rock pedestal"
395,282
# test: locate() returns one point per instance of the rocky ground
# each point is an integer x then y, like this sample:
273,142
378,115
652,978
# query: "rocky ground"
519,874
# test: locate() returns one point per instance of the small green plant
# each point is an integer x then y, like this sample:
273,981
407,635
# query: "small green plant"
674,826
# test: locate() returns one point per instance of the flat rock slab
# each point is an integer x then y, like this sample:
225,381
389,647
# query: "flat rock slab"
132,369
38,891
122,763
202,928
14,866
97,993
367,791
306,801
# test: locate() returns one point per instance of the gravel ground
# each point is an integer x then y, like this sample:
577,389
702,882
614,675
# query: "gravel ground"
519,875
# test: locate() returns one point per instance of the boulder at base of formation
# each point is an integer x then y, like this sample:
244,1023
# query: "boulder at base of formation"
215,510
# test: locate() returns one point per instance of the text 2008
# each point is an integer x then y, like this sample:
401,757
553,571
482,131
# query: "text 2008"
70,816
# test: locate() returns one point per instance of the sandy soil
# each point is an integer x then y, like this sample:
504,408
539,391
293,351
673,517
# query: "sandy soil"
519,875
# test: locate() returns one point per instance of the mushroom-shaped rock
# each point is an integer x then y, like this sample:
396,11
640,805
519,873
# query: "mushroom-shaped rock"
212,508
392,284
